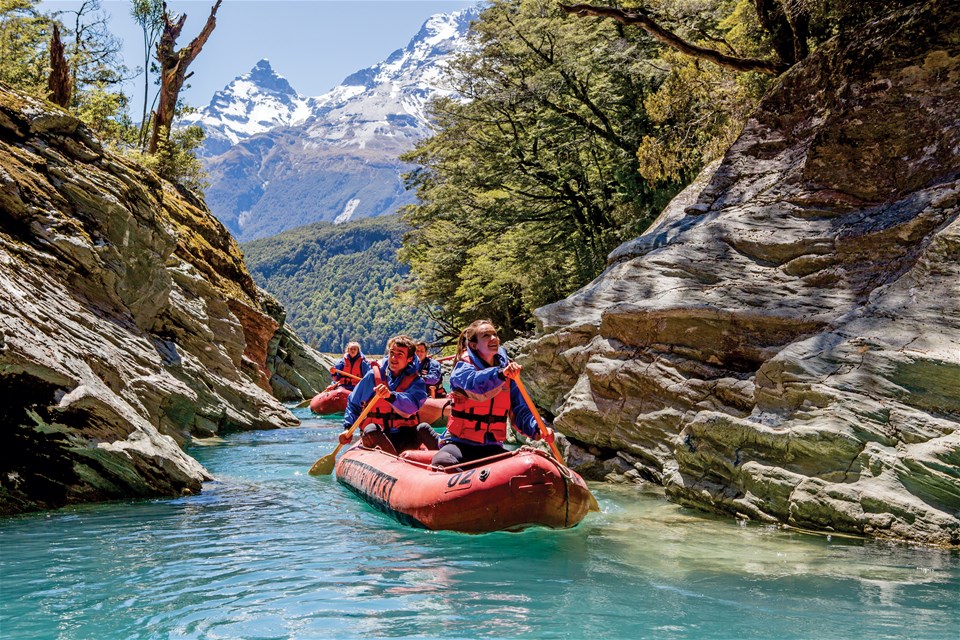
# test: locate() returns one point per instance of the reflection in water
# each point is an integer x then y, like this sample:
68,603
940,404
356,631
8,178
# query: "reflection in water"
270,552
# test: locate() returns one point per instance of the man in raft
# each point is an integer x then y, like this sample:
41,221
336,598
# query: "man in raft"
399,392
484,394
353,362
431,373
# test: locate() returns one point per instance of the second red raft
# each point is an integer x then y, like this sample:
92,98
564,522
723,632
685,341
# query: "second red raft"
508,492
333,399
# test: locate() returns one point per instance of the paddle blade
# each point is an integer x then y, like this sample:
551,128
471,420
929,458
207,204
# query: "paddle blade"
324,466
594,505
304,404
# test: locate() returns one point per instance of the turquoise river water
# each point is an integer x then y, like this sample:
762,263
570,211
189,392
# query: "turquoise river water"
267,551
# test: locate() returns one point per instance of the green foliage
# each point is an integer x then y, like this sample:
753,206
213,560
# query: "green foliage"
337,282
700,108
175,159
574,132
533,179
105,113
93,55
24,46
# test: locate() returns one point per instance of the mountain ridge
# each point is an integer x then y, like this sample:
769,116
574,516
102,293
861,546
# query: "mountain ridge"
278,159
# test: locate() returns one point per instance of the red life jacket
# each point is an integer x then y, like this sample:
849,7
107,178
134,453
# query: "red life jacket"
383,412
353,368
471,419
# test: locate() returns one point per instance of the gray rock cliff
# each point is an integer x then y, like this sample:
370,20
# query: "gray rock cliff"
783,344
128,323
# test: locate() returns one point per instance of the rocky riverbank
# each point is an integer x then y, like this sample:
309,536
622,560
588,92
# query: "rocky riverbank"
784,343
128,323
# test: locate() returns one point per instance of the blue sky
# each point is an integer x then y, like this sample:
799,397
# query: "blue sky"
312,43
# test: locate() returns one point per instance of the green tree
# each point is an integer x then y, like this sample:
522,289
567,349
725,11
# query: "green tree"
720,57
24,46
532,177
149,15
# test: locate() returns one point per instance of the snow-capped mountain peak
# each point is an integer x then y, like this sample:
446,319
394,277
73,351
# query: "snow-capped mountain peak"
277,159
253,103
389,99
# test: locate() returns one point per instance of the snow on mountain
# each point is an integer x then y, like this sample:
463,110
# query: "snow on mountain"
277,159
389,99
255,102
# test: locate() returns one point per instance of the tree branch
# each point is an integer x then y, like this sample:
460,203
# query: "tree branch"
673,40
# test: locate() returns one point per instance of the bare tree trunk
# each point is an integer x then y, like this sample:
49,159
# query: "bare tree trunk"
59,83
173,70
638,18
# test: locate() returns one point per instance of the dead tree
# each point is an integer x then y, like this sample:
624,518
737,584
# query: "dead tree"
59,82
173,70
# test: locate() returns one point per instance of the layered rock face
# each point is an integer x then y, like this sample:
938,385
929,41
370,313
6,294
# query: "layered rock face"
784,343
128,323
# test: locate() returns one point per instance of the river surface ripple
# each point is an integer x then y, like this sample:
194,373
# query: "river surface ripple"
267,551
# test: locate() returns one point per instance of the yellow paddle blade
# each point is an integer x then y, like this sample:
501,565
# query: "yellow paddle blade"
304,404
324,466
594,505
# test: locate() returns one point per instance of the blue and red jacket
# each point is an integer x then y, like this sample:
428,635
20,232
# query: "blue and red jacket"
432,375
478,407
355,366
409,395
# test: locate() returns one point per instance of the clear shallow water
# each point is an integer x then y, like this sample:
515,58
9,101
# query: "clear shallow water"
268,551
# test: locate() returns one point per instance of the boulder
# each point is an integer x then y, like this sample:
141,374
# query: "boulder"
783,344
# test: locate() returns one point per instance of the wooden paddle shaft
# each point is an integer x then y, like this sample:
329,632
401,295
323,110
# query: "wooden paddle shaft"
324,465
536,414
346,375
363,414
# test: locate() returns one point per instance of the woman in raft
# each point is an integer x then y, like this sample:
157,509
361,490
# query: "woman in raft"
352,362
483,393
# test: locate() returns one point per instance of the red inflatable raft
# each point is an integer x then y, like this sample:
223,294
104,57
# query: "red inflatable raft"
509,492
333,399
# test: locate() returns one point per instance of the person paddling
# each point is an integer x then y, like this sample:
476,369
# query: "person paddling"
431,372
484,394
399,392
353,363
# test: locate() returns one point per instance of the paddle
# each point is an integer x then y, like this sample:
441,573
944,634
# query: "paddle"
346,375
594,505
536,415
324,466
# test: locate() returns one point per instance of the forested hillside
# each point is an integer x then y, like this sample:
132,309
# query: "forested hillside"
337,282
